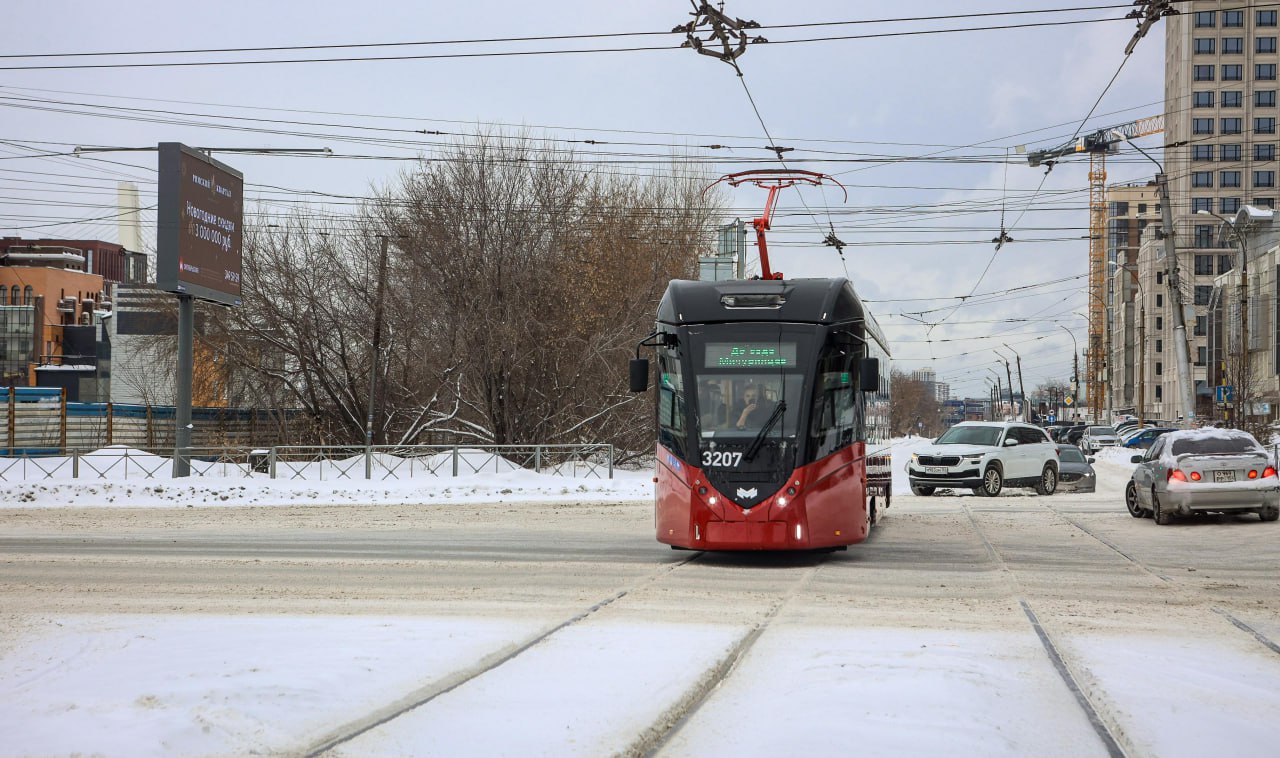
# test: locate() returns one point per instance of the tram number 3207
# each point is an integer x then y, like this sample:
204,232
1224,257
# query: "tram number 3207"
720,459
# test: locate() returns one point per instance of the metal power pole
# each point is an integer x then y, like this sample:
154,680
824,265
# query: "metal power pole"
1181,350
182,386
377,345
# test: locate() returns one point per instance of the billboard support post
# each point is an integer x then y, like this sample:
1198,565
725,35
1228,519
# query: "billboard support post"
182,388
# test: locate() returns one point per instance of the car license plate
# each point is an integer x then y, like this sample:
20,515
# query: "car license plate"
1224,476
935,469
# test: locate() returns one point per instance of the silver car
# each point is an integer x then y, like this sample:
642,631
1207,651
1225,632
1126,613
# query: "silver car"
1097,437
1203,471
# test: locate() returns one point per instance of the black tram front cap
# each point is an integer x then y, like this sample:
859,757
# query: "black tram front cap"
804,301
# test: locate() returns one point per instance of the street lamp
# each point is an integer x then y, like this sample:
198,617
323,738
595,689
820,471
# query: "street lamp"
1022,390
999,394
1142,340
1075,360
1241,380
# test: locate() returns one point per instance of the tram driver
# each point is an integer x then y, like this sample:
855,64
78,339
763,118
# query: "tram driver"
755,408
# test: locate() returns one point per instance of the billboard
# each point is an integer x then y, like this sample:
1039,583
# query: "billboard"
199,224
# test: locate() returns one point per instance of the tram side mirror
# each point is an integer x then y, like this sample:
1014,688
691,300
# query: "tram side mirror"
639,374
869,374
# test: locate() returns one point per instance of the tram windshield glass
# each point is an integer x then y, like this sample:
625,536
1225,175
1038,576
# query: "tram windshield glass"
750,384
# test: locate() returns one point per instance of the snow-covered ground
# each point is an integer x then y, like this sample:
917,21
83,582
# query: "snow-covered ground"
141,685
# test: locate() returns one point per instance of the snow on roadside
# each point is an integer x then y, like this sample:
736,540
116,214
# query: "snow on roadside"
166,685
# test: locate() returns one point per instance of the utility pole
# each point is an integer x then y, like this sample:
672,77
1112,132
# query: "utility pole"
1008,375
1021,388
377,345
1186,387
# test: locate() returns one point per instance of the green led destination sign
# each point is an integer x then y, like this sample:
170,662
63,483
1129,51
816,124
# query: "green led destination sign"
751,355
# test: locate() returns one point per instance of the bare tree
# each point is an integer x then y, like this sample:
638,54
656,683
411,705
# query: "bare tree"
914,408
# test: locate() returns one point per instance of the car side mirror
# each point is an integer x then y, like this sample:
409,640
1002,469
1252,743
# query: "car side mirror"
1136,459
1010,443
869,374
1090,460
639,374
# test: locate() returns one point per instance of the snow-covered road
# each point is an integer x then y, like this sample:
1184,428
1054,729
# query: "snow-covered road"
539,626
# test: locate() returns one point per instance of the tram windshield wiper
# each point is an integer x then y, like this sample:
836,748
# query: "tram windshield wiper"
754,447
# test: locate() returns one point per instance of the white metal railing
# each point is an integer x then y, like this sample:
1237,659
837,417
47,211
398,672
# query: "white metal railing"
317,462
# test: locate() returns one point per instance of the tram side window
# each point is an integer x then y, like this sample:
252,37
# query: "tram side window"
836,409
671,404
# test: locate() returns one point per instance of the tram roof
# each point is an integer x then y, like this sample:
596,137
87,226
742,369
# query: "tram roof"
804,301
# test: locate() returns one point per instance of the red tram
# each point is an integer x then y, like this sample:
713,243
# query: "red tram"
772,405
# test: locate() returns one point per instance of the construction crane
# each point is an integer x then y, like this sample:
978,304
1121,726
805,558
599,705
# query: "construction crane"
1098,145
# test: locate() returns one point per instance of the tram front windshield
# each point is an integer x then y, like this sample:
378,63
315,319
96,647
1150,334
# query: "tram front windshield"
749,386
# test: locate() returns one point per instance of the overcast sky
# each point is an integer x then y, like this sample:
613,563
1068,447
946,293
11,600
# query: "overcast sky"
918,232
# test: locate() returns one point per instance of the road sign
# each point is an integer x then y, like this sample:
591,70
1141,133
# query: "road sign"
1224,393
1052,418
1068,400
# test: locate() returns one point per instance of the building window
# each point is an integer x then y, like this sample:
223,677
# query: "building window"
1203,178
1201,204
1205,19
1202,73
1159,346
28,296
1142,208
1228,178
1264,45
1201,327
1265,98
1264,125
16,295
1230,153
1229,205
1264,152
1232,72
1159,277
1263,72
1204,265
1202,99
1233,19
4,299
1159,368
1204,235
1264,178
1229,125
1201,355
1225,263
1204,45
1203,292
1159,299
1118,208
1159,392
1264,202
1232,99
1265,18
1232,45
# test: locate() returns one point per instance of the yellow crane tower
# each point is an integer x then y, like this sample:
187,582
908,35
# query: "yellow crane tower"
1098,145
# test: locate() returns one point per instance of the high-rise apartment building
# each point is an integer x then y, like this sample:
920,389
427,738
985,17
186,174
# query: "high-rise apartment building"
1221,83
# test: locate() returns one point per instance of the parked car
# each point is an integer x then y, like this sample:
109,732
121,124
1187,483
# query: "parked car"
1075,472
1203,471
1097,437
986,456
1072,434
1141,439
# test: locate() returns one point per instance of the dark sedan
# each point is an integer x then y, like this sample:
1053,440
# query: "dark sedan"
1074,472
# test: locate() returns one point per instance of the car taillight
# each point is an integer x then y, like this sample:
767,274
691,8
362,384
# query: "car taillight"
1195,476
1269,471
1177,476
1253,474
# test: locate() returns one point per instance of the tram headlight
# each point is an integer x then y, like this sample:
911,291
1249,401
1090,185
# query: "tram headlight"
702,490
782,501
711,500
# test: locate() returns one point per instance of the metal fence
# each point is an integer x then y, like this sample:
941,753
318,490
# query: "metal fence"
315,462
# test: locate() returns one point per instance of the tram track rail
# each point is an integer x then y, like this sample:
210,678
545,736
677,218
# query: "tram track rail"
1234,621
650,741
1104,726
437,688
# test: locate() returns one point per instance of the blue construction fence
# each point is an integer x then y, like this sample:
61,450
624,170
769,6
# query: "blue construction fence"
41,422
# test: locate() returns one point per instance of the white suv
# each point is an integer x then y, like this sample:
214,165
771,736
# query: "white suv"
985,456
